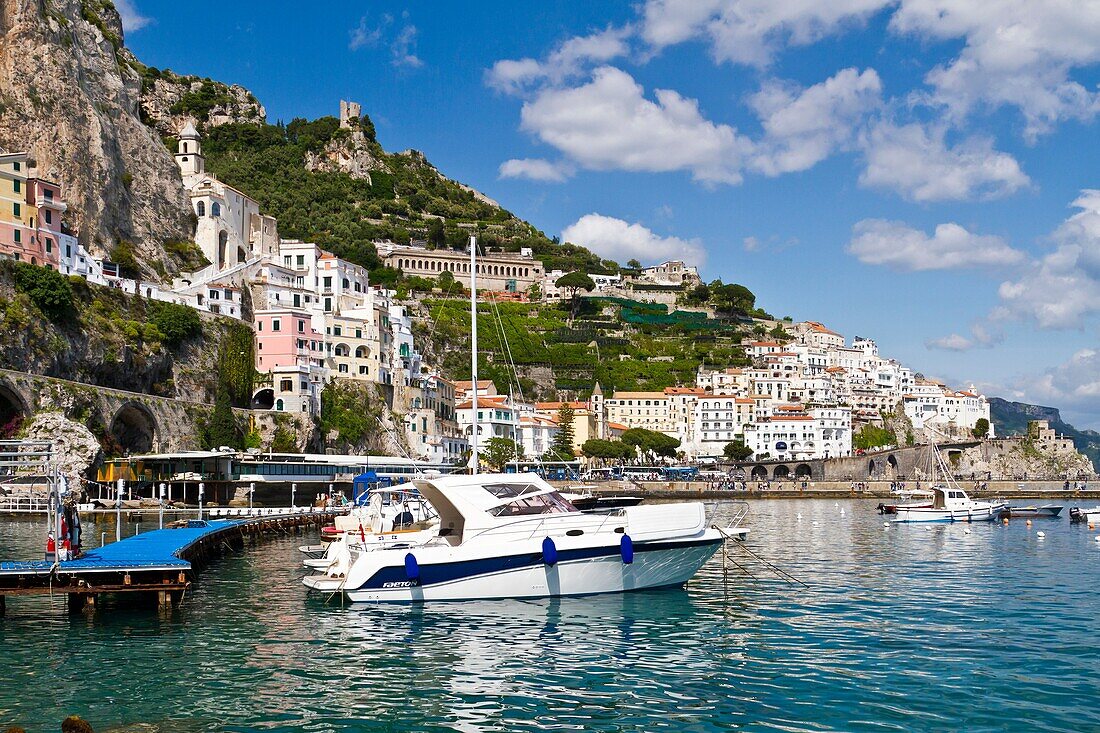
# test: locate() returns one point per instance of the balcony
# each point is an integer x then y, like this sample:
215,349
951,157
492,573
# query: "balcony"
44,203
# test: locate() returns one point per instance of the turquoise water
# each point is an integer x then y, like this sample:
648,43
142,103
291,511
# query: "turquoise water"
907,628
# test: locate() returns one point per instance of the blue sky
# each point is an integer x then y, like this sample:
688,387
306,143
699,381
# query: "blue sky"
916,171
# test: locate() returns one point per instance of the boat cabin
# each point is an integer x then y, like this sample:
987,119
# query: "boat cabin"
470,504
949,498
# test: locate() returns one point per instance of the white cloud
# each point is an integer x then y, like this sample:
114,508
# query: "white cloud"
403,49
1073,384
569,59
363,35
802,127
751,244
621,241
132,19
535,169
951,247
917,163
981,336
1063,288
608,123
1018,53
750,31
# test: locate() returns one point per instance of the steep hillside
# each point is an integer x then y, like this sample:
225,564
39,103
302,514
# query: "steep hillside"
293,172
1011,418
69,95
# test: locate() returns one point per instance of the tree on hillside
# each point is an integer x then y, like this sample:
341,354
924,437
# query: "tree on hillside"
872,436
634,264
733,299
574,283
561,448
652,442
981,428
737,450
436,236
222,427
499,451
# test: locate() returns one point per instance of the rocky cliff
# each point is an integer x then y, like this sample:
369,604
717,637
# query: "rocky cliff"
70,95
1011,418
169,100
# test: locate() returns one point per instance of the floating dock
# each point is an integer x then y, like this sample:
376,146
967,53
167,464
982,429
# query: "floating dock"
160,563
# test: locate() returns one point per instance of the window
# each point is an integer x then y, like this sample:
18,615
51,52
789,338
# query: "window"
328,283
259,325
297,300
69,251
337,331
15,165
49,216
286,385
49,245
276,324
301,260
201,207
18,236
215,209
301,326
328,304
16,185
16,210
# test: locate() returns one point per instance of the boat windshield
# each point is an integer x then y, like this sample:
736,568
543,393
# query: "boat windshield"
527,499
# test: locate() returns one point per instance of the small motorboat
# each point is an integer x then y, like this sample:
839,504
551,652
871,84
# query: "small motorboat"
1047,511
1077,515
951,504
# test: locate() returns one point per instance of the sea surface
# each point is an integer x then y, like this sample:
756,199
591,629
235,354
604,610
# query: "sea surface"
899,628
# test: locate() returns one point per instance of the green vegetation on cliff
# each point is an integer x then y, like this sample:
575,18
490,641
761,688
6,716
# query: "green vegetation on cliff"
401,200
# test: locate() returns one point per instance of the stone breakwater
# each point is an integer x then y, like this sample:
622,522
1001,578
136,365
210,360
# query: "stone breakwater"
829,489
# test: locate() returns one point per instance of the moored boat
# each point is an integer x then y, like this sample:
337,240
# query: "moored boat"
1046,511
951,504
1077,515
505,537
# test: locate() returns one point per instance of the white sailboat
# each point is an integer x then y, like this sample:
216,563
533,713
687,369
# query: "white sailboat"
950,503
515,536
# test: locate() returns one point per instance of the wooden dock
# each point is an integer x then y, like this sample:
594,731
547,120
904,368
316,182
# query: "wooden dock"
160,564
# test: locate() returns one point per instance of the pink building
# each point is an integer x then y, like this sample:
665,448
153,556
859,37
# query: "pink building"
30,213
292,352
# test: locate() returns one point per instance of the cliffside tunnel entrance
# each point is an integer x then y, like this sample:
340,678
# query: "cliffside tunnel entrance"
13,410
134,428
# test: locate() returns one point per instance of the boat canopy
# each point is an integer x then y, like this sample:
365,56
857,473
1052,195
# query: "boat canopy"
481,501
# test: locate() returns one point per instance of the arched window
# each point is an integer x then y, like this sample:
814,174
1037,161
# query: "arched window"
223,239
215,209
185,148
361,352
201,208
279,405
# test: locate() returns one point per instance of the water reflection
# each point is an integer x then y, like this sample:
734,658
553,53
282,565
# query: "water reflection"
898,629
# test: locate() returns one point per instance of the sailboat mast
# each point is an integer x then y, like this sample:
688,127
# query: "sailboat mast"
473,351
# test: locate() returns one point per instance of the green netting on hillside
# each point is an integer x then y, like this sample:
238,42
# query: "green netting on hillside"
656,314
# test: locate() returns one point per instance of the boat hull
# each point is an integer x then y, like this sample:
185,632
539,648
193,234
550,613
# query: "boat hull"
1048,511
977,514
587,572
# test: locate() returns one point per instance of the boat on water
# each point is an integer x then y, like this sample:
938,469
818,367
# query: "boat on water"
1077,515
382,512
923,498
509,536
1046,511
951,504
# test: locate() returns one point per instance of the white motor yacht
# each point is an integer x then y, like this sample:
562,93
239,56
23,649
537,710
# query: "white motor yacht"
388,515
514,536
951,504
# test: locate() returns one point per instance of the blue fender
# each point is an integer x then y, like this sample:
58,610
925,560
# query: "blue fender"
412,568
626,549
549,552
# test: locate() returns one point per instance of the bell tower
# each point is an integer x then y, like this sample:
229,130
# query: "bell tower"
189,155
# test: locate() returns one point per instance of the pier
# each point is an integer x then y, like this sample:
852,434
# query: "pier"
160,564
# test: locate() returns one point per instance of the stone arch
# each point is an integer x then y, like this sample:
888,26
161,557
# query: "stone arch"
134,428
263,399
803,470
872,467
759,473
892,465
13,410
781,471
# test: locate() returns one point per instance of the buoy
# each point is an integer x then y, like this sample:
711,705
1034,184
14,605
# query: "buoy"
966,531
549,552
412,569
815,524
1098,538
800,516
626,549
1040,534
885,524
1029,522
836,503
1005,520
842,512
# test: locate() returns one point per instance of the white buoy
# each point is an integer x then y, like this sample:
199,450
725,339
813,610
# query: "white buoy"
842,512
800,516
885,524
1040,534
1097,539
836,503
966,530
886,527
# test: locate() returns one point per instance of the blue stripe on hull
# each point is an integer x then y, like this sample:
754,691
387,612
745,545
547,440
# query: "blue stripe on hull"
451,571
